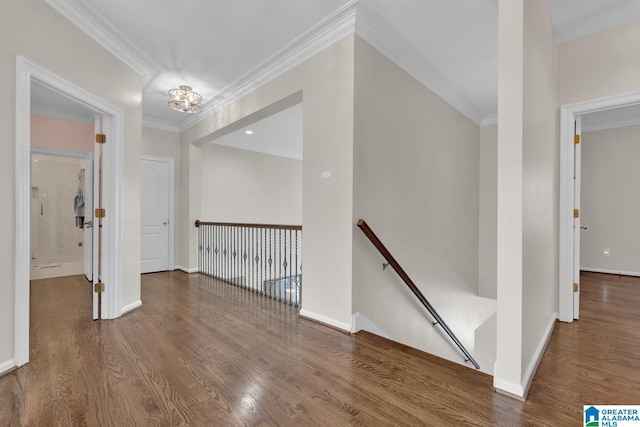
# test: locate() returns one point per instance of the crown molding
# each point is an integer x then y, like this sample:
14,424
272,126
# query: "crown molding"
61,115
159,124
375,31
322,35
353,17
89,20
491,119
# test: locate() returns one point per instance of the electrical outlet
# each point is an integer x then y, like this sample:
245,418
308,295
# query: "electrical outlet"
80,244
606,252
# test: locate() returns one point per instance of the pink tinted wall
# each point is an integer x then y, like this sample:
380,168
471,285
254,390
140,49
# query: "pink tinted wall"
51,132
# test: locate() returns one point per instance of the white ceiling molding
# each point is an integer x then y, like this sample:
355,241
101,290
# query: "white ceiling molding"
62,115
85,17
491,119
373,29
159,124
322,35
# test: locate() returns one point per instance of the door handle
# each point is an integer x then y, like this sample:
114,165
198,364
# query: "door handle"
165,223
88,224
583,227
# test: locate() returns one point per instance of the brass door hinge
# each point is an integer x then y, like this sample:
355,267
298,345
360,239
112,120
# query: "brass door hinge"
98,287
576,139
101,138
575,287
100,213
576,213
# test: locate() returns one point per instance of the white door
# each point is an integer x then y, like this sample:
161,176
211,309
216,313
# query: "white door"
88,217
577,159
155,215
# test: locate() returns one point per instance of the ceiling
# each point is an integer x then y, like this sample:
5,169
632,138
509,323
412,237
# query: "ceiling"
279,134
224,48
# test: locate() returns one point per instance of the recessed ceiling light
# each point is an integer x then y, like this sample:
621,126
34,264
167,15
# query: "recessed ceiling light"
248,132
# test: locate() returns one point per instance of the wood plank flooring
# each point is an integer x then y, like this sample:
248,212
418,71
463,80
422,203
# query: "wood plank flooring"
203,353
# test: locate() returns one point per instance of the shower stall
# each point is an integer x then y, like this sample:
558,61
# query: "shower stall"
57,191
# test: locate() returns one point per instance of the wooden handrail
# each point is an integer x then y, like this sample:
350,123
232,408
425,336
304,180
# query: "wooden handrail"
407,280
198,223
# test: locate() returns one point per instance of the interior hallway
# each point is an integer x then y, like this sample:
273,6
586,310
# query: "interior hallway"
202,353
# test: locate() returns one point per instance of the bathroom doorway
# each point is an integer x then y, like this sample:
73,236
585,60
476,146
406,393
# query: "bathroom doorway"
61,188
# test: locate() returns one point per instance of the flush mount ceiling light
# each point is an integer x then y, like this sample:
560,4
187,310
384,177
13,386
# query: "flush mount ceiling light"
185,100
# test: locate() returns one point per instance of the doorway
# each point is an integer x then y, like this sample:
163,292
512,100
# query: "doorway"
61,186
569,221
28,72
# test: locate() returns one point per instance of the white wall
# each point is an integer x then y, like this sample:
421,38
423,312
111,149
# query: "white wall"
508,366
599,65
541,166
610,205
488,212
528,168
326,84
250,187
162,143
416,184
32,29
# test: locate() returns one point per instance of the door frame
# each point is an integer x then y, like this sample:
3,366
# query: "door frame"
171,162
26,72
568,114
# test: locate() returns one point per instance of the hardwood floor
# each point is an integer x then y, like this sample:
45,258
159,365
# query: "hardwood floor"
203,353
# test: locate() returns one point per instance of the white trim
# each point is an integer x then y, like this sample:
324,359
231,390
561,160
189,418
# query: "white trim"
26,71
96,26
374,30
172,189
568,114
537,354
512,388
128,308
606,271
62,115
565,250
322,35
159,124
360,322
7,365
491,119
185,269
22,218
326,320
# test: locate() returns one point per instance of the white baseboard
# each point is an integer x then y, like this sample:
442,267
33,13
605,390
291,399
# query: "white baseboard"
186,269
127,308
360,322
326,320
537,355
7,366
519,391
509,388
603,270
